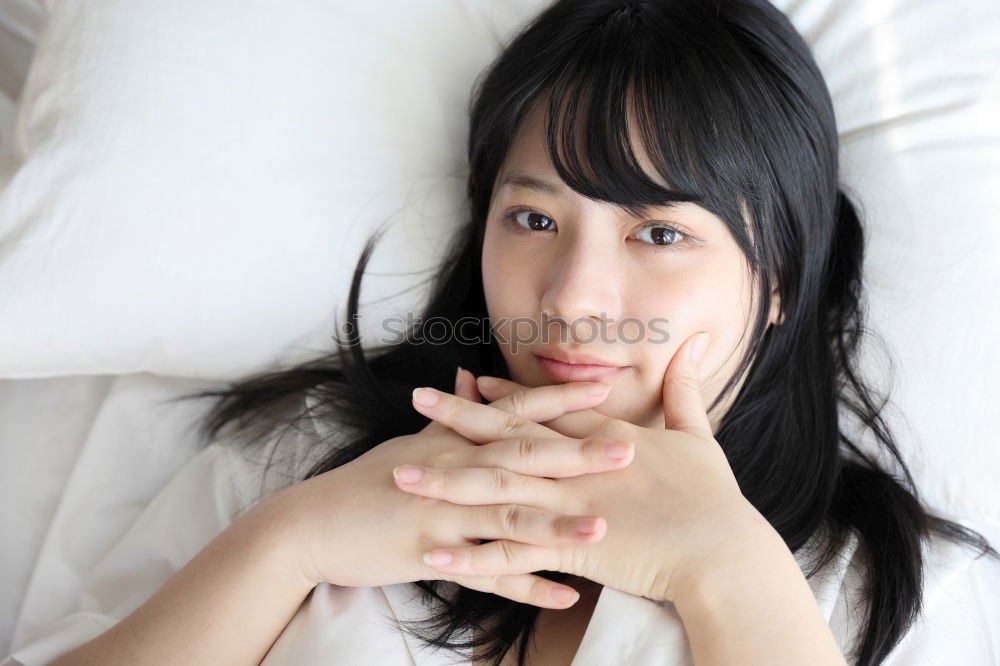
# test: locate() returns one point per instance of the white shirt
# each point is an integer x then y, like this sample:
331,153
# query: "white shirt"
343,625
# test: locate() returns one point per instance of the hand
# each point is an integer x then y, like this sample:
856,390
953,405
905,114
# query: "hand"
353,527
676,509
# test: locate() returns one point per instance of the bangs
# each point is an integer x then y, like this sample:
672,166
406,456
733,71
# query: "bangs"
619,93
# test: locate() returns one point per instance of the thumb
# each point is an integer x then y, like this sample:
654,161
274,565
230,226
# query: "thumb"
683,404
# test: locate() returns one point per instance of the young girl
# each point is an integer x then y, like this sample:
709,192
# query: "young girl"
654,311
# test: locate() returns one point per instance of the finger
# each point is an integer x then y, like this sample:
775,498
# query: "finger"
480,486
526,524
496,558
544,403
516,415
683,403
465,386
528,518
550,457
553,457
577,423
477,485
525,588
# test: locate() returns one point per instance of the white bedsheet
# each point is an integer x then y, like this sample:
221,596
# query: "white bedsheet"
342,625
81,456
80,459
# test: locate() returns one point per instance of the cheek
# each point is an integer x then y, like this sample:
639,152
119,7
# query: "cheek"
681,305
697,301
508,283
492,263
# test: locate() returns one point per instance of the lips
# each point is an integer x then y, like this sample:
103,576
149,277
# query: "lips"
575,359
576,367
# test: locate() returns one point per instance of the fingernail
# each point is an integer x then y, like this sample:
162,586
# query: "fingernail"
458,378
698,347
585,525
438,558
426,397
598,389
487,382
562,595
408,473
617,450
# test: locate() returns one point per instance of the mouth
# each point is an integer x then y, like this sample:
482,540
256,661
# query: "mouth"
563,371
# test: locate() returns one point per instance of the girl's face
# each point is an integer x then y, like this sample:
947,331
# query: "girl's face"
628,291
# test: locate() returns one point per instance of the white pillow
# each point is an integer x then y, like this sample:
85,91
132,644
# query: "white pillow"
198,177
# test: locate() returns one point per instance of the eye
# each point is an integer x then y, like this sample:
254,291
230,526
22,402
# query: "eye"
663,236
529,220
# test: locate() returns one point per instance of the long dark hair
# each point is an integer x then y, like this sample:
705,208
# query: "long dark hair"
735,115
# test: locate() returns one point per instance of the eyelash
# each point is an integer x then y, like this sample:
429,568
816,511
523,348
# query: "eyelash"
685,239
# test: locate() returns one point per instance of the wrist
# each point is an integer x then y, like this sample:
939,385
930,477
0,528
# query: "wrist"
751,604
277,523
751,546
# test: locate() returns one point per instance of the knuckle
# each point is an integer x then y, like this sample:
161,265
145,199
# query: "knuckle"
507,551
510,518
592,449
573,559
527,449
509,424
501,479
518,402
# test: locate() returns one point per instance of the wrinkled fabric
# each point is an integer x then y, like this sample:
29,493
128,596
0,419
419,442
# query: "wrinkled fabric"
345,625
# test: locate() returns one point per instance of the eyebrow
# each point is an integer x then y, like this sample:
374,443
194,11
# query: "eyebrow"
525,181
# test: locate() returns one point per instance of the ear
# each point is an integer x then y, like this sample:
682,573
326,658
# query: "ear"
775,317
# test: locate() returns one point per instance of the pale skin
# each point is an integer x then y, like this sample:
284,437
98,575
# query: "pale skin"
520,471
584,260
595,262
235,597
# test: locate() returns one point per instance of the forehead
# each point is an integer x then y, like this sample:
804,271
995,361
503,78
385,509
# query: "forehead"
528,166
529,150
528,154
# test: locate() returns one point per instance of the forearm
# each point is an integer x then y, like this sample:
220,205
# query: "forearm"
756,607
226,606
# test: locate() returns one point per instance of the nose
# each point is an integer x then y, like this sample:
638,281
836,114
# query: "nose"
583,285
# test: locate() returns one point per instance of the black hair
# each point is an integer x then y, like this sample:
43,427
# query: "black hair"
735,116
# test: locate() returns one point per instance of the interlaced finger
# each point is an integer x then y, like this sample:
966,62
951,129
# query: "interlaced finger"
553,457
578,423
500,557
549,457
518,414
524,588
517,522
